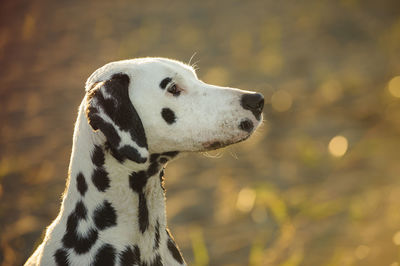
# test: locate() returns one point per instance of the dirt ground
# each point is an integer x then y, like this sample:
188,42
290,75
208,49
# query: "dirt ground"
318,184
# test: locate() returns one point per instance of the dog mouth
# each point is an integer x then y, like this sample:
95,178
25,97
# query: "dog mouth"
246,127
217,144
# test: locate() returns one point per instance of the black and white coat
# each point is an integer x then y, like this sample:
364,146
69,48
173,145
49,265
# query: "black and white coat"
135,117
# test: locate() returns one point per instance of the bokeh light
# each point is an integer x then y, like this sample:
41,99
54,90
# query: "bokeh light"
245,200
394,86
338,146
396,238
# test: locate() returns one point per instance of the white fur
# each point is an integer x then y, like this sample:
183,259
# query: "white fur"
205,114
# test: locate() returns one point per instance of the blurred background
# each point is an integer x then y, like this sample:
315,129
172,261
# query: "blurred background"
318,184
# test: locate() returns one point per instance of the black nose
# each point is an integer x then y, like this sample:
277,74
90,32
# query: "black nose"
253,102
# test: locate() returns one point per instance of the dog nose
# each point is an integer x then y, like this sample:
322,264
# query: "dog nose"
253,102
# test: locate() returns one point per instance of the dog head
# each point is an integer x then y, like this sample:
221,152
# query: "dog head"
156,105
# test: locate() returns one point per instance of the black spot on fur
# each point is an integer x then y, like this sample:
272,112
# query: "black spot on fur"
104,216
137,181
92,114
157,261
154,157
136,252
143,213
132,154
153,169
80,210
165,82
114,152
83,244
130,257
105,256
168,115
173,249
157,236
100,179
111,134
81,184
61,257
80,243
98,156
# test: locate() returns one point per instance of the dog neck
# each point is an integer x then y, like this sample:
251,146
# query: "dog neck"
118,203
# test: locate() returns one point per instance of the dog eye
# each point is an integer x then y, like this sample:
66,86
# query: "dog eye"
174,90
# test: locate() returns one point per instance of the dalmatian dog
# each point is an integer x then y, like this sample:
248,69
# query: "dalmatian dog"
136,116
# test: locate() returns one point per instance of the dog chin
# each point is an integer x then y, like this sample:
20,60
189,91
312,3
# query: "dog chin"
218,144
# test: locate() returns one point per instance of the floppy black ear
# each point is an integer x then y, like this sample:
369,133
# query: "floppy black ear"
109,109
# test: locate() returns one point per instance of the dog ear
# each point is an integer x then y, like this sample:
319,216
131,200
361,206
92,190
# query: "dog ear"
110,110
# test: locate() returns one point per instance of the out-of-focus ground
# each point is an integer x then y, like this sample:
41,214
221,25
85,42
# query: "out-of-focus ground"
328,71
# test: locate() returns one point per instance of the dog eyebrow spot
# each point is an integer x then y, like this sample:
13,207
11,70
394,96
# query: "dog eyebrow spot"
168,115
165,82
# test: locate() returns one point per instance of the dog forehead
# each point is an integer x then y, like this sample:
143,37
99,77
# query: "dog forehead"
178,66
157,69
154,66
